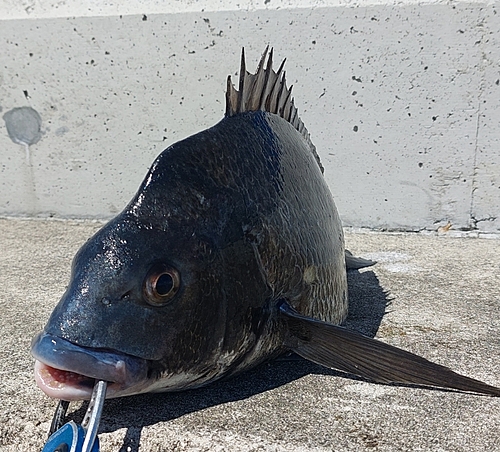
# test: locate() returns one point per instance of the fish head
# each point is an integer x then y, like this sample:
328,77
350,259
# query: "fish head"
144,302
128,280
166,296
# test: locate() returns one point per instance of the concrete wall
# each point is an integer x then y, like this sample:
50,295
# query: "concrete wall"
402,100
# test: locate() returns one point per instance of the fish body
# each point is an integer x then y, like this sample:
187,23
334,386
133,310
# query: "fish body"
230,253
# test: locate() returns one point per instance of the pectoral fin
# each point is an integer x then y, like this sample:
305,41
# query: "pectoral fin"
339,348
355,263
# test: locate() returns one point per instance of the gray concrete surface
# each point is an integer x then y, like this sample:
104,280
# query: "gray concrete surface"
434,295
401,98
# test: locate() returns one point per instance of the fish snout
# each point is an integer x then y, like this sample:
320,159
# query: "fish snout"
67,371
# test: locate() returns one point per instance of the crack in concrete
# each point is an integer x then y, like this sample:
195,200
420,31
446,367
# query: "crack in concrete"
482,86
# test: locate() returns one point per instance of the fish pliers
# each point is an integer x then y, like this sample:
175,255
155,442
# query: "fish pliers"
72,437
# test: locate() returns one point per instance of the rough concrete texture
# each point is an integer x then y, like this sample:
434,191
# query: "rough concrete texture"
401,100
436,296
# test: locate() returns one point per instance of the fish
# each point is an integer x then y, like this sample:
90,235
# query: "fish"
231,253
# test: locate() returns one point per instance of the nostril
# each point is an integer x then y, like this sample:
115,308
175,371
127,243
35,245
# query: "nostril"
126,295
106,301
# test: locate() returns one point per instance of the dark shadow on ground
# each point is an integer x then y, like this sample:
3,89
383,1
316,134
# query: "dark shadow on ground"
367,302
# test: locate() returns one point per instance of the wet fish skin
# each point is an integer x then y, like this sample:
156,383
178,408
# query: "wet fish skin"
238,219
199,210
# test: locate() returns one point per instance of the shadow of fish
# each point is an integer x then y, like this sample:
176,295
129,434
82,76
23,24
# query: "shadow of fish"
230,253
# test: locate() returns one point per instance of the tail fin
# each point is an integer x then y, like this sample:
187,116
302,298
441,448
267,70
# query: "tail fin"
336,347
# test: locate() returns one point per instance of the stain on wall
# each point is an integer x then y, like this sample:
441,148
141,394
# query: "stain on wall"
24,125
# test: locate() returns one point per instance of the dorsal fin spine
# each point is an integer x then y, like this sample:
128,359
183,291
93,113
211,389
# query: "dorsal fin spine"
266,74
287,107
280,102
243,73
229,93
278,83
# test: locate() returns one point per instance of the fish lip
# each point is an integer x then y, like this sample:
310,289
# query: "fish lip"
78,367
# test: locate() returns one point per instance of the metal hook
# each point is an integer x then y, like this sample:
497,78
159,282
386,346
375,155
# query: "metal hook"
93,415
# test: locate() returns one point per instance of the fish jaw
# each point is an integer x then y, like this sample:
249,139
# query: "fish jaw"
67,371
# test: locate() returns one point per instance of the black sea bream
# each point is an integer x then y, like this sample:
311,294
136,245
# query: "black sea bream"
230,253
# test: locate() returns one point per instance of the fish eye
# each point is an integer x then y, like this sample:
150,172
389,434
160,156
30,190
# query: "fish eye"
161,284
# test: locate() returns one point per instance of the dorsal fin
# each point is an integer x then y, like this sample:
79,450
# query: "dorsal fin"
265,90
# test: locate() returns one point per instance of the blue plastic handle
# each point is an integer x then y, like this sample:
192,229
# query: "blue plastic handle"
69,438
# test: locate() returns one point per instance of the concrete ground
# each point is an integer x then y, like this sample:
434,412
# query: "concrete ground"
436,296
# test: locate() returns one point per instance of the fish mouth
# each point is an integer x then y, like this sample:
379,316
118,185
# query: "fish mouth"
67,371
